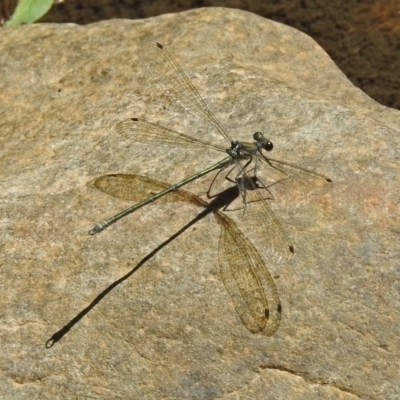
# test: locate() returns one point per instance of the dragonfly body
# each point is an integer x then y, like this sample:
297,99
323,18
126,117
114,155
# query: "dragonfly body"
246,163
246,167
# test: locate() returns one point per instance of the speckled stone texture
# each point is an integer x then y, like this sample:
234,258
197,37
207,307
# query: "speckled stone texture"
362,37
170,331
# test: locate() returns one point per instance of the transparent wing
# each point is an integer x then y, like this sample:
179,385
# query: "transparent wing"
243,271
247,280
260,223
140,131
293,176
170,76
256,217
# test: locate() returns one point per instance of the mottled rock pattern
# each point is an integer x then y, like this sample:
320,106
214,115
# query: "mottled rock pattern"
170,331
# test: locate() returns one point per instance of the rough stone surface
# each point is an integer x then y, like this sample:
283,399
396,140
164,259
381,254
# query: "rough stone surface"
362,37
170,331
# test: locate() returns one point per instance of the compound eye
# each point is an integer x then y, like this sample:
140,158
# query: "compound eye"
258,137
267,145
262,142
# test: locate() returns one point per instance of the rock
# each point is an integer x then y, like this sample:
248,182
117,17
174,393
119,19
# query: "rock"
170,330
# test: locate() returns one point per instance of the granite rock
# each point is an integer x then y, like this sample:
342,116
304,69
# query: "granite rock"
169,330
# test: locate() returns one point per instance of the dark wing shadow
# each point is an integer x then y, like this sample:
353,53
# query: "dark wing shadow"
181,195
242,269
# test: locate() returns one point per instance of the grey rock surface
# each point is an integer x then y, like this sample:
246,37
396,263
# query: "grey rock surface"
170,331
